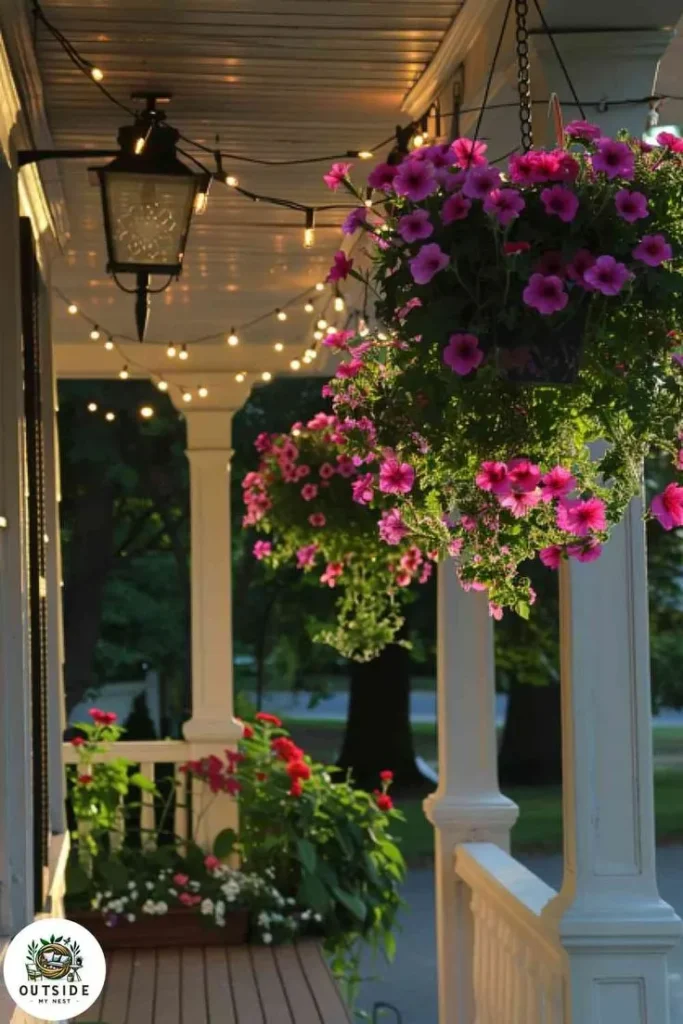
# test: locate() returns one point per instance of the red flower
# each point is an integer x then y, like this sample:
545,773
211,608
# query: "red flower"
211,862
181,880
234,758
267,719
512,248
77,741
298,770
286,750
188,900
386,776
384,801
231,786
297,788
247,732
261,776
85,779
102,717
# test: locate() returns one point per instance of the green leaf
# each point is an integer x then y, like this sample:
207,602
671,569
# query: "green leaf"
77,880
307,855
353,904
313,894
224,843
194,857
114,873
142,782
389,945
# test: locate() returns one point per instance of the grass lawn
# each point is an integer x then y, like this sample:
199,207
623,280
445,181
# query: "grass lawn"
539,828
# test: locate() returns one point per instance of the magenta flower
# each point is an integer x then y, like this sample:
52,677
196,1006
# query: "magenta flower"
667,507
615,159
327,471
468,153
355,220
520,502
346,467
392,529
493,477
413,303
362,489
382,177
396,477
523,475
560,202
321,421
455,547
317,519
345,371
411,560
557,483
305,556
415,225
338,340
480,182
607,276
332,573
428,262
631,206
587,552
581,517
505,204
576,270
262,548
462,353
309,492
653,250
523,169
551,556
671,141
336,175
340,269
455,208
415,180
582,130
545,293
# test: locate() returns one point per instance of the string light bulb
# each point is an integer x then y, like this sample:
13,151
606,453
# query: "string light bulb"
278,346
72,308
307,359
187,396
280,314
266,375
295,364
171,351
322,324
231,180
97,74
365,154
162,385
309,307
318,335
368,197
109,345
183,354
95,334
146,411
311,353
201,199
110,417
240,378
124,374
418,140
92,406
309,229
203,392
232,338
320,287
140,144
339,304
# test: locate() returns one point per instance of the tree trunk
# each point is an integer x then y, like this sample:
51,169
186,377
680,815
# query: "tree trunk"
378,735
531,751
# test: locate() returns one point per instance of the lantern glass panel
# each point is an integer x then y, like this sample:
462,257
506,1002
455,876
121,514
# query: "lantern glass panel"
148,216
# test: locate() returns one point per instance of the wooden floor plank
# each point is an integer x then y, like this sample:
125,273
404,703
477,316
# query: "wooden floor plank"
322,984
94,1014
245,993
301,1002
192,987
273,1000
167,992
218,989
117,993
141,1006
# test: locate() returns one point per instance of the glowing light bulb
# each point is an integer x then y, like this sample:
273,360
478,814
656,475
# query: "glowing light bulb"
123,374
140,144
266,375
201,201
231,180
72,308
322,324
318,335
418,140
311,353
320,287
95,334
203,392
146,412
110,417
240,378
187,397
381,336
309,307
363,329
295,364
92,406
97,74
184,354
296,432
339,304
331,329
162,385
365,154
309,238
280,314
171,351
232,338
109,345
278,346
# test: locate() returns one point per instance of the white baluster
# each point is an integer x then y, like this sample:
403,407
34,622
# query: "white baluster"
147,817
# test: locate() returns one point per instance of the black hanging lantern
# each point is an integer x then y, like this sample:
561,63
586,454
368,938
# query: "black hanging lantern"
148,197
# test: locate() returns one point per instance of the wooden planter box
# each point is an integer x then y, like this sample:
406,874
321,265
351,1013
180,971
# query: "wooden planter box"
180,926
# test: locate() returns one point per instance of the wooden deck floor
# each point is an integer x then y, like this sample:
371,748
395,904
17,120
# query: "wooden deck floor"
237,985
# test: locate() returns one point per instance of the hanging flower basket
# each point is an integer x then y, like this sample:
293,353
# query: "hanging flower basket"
318,506
527,316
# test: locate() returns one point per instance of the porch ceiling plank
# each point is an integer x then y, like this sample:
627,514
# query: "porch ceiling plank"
325,992
244,986
141,1006
167,993
296,987
218,989
192,988
273,999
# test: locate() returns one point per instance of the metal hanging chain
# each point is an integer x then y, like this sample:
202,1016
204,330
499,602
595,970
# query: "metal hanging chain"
523,74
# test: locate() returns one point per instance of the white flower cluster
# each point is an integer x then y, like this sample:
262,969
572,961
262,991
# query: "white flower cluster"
154,907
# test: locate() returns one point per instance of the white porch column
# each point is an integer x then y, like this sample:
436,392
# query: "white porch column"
467,805
615,928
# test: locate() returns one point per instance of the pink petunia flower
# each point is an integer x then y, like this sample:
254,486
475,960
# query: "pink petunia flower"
412,559
607,275
551,556
587,552
305,556
354,220
415,226
631,206
262,548
545,293
415,180
671,141
667,507
480,182
582,261
326,471
332,573
557,483
505,204
581,516
520,502
346,467
309,492
345,371
523,170
455,546
396,477
317,519
582,130
336,175
322,420
392,529
428,262
495,611
403,578
362,489
523,475
382,177
455,208
614,159
560,202
340,269
469,153
338,339
413,303
462,353
425,573
493,477
653,250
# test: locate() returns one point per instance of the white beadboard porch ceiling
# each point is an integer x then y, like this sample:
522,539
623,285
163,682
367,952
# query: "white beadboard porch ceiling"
277,79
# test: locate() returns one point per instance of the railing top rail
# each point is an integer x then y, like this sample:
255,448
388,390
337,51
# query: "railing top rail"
149,751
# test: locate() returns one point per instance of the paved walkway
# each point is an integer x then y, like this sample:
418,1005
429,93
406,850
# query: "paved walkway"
410,982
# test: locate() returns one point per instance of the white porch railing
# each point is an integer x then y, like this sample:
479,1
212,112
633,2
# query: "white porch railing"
519,968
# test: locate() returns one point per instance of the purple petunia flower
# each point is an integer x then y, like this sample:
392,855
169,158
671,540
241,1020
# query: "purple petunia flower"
615,159
631,206
545,293
428,262
607,275
415,226
480,182
462,353
653,250
560,202
415,180
505,204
